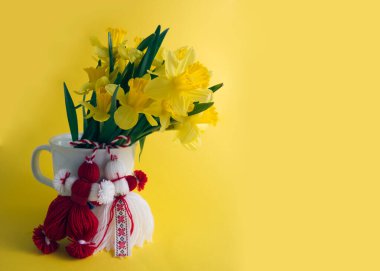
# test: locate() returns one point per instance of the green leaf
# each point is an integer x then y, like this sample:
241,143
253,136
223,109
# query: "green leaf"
122,79
200,107
143,134
216,87
84,114
128,75
109,127
144,64
151,52
161,39
71,114
92,129
141,142
145,42
138,127
110,52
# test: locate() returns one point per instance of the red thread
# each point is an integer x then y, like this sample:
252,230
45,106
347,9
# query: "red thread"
112,213
67,175
118,178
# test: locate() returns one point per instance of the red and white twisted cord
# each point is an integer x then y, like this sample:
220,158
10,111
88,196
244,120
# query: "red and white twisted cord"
96,145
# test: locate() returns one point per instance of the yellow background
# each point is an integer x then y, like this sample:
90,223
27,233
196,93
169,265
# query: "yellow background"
288,180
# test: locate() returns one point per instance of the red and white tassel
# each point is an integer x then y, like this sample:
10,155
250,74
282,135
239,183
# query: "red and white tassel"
62,182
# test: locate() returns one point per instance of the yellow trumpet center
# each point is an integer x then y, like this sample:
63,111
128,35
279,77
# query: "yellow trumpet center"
117,35
196,76
136,96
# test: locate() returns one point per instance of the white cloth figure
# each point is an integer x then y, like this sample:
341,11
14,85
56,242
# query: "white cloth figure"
128,220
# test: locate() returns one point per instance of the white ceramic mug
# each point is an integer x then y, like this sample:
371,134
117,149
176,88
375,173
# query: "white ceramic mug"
67,157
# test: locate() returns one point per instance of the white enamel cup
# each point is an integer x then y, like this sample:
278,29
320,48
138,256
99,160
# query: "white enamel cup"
67,157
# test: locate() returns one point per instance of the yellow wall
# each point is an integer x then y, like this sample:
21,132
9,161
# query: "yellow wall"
288,180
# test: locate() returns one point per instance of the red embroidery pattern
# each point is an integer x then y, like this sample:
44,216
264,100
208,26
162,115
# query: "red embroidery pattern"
122,246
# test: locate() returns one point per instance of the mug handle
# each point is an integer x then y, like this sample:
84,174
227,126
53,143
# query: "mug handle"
36,165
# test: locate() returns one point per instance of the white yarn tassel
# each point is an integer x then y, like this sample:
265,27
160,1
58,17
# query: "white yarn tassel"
116,170
102,192
106,192
142,219
63,181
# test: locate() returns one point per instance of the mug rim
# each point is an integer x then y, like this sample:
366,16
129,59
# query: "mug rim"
53,142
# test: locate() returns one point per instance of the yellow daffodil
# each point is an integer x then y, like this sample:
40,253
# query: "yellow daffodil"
181,82
104,91
190,129
94,74
117,35
118,42
132,104
163,111
118,39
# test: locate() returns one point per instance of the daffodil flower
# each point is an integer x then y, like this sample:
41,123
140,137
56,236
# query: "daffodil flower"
190,129
163,111
94,74
104,91
132,104
180,82
123,54
118,39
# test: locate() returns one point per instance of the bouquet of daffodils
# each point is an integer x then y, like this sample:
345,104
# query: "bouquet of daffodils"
137,89
133,91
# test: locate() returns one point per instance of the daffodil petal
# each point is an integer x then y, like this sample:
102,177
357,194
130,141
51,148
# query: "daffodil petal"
200,95
155,108
164,121
101,82
188,133
86,88
126,117
151,120
122,52
186,61
90,107
122,97
101,116
180,105
158,88
110,88
171,63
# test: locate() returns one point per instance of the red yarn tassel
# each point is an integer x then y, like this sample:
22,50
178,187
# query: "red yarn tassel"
54,228
82,224
56,218
142,179
81,227
43,243
80,250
